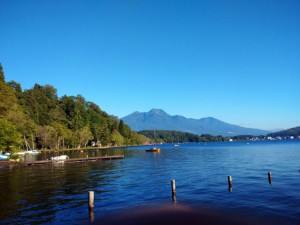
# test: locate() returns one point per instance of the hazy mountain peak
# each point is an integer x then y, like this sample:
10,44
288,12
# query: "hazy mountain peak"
157,111
158,119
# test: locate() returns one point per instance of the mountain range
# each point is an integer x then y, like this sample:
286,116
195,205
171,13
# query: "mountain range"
157,119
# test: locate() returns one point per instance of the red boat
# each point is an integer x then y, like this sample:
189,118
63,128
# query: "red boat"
153,150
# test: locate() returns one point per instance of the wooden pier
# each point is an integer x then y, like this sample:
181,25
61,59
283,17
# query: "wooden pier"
88,159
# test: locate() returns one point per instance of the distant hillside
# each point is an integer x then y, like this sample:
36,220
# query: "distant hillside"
157,119
286,133
171,136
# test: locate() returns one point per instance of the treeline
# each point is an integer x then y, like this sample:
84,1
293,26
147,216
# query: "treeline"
287,133
46,121
167,136
171,136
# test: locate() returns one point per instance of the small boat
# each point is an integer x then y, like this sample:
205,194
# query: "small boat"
154,149
33,152
28,152
28,149
4,157
60,157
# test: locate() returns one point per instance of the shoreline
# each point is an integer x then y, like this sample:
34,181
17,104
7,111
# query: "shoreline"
8,163
88,148
17,163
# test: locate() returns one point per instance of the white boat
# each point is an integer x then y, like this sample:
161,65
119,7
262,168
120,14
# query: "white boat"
28,149
33,152
59,157
28,152
3,157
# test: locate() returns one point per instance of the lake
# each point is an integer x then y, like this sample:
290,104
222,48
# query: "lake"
57,194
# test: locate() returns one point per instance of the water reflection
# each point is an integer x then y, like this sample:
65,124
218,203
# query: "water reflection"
57,193
31,192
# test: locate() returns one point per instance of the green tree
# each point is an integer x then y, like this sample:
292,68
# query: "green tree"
117,138
75,110
46,137
10,138
83,136
39,102
2,77
61,134
17,87
52,122
8,100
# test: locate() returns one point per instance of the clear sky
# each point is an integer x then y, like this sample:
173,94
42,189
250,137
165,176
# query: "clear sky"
237,61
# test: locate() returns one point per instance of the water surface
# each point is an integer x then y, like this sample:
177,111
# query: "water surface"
57,194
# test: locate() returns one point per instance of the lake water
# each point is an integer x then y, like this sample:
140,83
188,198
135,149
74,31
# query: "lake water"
57,194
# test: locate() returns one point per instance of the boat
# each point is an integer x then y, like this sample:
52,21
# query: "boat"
4,157
154,149
28,149
59,157
28,152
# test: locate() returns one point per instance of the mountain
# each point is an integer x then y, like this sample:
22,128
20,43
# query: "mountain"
286,133
157,119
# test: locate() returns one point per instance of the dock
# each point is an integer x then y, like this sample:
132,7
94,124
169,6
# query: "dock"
75,160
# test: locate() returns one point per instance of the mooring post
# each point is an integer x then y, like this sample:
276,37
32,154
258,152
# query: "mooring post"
173,190
91,200
270,177
230,183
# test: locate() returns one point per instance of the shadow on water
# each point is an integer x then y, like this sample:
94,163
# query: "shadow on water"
178,214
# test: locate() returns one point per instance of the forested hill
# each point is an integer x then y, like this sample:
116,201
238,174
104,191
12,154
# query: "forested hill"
172,136
286,133
49,122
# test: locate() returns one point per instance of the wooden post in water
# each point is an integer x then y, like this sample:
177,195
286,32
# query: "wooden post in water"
91,201
173,190
270,177
230,183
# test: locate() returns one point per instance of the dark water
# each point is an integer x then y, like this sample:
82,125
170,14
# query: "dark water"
57,194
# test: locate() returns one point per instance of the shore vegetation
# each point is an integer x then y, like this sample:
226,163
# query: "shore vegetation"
43,120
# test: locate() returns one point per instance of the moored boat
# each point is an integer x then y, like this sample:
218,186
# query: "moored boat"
28,149
3,157
59,157
154,149
28,152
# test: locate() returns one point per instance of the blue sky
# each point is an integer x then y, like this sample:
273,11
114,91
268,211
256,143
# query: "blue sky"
237,61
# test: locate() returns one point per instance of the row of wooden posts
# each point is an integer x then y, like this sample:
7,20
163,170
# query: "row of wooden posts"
91,194
230,180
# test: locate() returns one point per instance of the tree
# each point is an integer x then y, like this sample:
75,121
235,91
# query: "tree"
46,137
2,77
10,138
124,129
39,102
117,138
8,99
17,87
52,122
75,110
61,134
83,136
